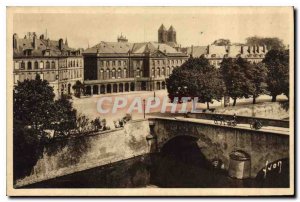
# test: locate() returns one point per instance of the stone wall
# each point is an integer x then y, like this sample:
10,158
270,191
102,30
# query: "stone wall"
77,154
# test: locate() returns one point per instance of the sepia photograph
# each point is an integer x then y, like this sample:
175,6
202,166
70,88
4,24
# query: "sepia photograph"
150,101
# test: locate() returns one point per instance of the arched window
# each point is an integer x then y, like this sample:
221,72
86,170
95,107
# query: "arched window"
36,65
53,65
158,72
163,71
125,73
76,63
168,71
29,65
153,72
47,65
113,73
102,74
137,72
119,73
107,74
22,65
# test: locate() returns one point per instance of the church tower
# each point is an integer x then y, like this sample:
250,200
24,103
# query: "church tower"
162,34
172,34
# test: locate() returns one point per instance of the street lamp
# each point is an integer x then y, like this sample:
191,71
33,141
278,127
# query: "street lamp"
144,108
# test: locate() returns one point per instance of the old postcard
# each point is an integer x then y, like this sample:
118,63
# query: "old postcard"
150,101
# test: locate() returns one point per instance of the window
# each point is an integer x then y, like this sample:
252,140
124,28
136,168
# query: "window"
17,65
47,65
120,63
29,65
114,63
158,72
22,65
125,73
113,74
53,65
163,71
36,65
41,65
101,74
107,74
16,78
137,72
119,73
152,72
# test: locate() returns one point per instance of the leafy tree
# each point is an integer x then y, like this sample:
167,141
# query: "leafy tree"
78,87
221,42
65,116
196,78
271,43
258,80
33,103
34,112
97,124
235,78
277,63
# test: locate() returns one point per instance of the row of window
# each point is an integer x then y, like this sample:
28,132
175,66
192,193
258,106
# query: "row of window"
168,62
71,74
113,63
75,63
34,65
122,73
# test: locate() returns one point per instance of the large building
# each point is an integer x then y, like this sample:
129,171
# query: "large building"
215,54
111,67
53,60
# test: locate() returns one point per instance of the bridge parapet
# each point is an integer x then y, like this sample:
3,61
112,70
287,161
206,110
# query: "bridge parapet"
242,119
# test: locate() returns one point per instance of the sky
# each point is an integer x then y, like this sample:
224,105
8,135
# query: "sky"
194,26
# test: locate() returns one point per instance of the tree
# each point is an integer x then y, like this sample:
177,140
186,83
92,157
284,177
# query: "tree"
258,80
271,43
277,63
221,42
234,73
78,87
65,116
34,112
196,78
33,103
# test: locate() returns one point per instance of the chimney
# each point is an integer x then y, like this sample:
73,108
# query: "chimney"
242,49
15,41
208,49
34,43
60,44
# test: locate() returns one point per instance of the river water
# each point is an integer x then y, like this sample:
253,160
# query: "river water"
179,164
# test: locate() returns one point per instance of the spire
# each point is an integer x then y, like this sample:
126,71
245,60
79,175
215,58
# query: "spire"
66,42
162,27
172,28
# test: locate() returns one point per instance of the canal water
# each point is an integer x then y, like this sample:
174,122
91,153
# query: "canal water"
180,164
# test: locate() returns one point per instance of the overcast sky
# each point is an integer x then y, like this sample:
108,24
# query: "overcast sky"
141,24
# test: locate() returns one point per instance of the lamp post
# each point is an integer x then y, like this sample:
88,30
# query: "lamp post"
144,105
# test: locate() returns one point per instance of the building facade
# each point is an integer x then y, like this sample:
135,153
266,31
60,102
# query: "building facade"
112,67
215,54
53,60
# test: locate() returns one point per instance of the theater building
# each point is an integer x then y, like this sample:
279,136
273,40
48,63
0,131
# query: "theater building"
53,60
112,67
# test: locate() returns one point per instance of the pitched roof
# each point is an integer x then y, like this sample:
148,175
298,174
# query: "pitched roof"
134,48
41,45
162,27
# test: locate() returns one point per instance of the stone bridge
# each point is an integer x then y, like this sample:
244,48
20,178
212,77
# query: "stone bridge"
266,145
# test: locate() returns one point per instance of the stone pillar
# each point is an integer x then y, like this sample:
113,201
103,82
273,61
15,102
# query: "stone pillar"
99,89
